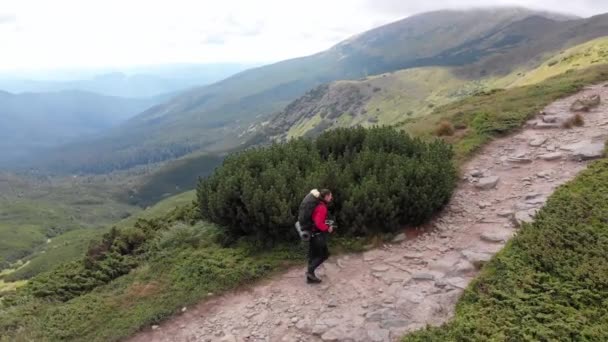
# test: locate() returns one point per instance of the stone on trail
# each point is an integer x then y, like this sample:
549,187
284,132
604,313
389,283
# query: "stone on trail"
589,151
505,213
544,125
378,335
551,156
549,118
584,104
519,160
487,183
423,276
400,238
537,142
412,255
496,237
522,217
478,259
458,282
476,173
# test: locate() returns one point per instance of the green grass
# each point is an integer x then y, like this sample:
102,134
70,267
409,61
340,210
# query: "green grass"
550,283
409,96
72,245
490,114
174,178
575,58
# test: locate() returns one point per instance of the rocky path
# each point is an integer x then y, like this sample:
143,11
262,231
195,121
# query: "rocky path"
382,294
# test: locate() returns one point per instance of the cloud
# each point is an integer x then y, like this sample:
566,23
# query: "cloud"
7,19
109,33
580,7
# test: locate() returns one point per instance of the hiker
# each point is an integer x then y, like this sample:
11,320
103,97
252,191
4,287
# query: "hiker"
317,251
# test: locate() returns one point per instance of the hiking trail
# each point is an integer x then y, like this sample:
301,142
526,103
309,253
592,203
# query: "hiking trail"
382,294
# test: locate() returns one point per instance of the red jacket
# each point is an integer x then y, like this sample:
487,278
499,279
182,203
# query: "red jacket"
319,215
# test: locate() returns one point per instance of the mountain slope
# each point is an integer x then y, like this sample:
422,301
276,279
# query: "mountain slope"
212,117
407,94
31,122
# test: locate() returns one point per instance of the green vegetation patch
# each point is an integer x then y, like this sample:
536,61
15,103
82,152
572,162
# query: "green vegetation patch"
490,114
550,283
256,193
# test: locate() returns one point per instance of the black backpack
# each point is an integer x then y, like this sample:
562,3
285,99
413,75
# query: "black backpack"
308,205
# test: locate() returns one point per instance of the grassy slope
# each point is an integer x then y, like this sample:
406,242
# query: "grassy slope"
30,213
575,58
484,116
72,245
550,283
408,94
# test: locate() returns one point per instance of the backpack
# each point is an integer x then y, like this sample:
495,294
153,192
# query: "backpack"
308,205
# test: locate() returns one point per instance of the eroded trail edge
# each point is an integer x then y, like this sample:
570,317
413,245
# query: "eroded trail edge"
382,294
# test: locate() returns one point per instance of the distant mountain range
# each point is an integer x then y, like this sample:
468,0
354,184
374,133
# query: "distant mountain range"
135,82
472,44
31,123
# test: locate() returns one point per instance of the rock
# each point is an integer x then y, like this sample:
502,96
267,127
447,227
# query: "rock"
483,205
228,338
478,259
585,104
551,156
319,329
531,195
380,268
182,326
487,183
544,174
544,125
519,160
394,259
440,283
536,142
394,323
154,327
412,255
549,118
400,238
378,335
332,303
464,266
458,282
494,237
423,276
505,213
378,315
184,309
522,217
332,335
476,173
589,151
303,325
536,201
551,148
369,256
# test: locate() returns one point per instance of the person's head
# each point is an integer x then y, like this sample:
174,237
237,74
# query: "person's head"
325,195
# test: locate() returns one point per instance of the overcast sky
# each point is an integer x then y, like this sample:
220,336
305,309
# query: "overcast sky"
94,33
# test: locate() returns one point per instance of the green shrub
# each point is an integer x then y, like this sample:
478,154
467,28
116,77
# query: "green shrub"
381,179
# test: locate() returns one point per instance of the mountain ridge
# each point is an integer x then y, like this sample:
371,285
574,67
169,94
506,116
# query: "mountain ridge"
213,118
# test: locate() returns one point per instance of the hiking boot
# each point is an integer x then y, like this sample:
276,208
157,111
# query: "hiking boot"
311,278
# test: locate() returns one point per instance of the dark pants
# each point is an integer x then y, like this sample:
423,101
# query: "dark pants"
317,251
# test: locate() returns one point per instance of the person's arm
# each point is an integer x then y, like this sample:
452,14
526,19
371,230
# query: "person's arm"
319,215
